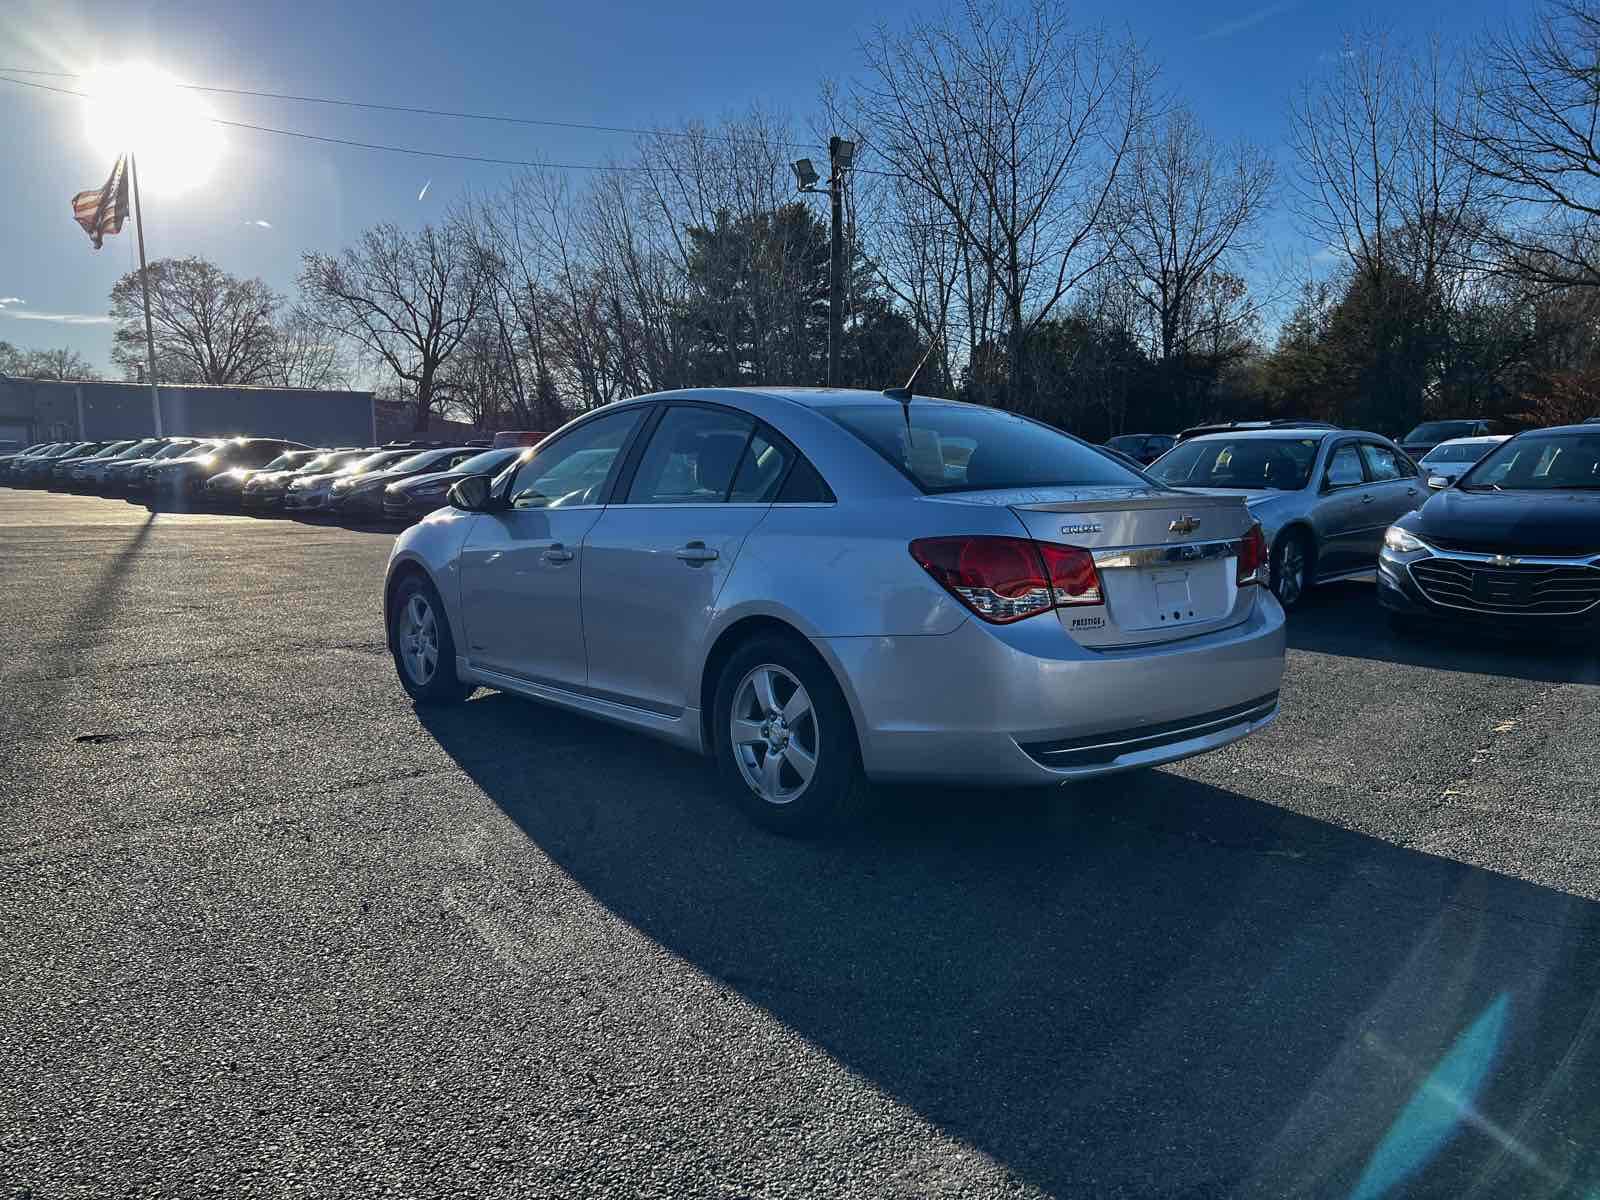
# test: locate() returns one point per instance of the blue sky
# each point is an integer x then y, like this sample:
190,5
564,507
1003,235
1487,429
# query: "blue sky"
630,64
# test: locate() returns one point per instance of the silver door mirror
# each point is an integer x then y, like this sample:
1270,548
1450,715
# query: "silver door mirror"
472,494
1438,482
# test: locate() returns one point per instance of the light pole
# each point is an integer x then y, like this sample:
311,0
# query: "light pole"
841,153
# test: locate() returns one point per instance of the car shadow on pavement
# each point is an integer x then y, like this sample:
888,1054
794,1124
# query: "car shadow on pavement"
1344,619
1146,985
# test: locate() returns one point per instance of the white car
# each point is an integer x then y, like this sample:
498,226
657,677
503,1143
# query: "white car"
1450,460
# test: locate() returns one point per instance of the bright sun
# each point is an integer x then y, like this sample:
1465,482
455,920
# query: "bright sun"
139,109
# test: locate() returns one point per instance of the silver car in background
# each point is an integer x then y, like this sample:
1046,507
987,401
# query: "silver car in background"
1449,461
808,585
1323,497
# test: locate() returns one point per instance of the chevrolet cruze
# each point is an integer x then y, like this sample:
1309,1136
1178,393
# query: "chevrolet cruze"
811,585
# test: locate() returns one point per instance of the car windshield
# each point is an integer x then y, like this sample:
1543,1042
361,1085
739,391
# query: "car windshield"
141,449
418,462
175,450
1279,464
112,450
486,463
1461,452
1439,431
1128,443
961,448
203,450
373,461
1539,462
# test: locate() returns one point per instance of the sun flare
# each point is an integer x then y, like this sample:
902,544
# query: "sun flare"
169,131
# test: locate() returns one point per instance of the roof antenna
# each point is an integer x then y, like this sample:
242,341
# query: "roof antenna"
904,394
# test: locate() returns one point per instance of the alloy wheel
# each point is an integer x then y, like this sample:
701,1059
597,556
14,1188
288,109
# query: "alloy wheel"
1291,571
419,640
773,732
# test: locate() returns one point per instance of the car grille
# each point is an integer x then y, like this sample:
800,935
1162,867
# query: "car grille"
1527,589
1471,546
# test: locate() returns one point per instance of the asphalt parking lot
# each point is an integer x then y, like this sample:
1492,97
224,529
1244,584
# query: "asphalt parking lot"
264,930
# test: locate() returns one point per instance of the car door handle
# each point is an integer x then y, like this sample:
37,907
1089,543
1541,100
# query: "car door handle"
1411,491
557,553
1366,499
695,553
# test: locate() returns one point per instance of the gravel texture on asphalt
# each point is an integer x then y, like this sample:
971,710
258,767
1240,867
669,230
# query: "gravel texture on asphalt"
265,930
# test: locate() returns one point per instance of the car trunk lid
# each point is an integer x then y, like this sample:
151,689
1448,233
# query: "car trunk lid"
1167,560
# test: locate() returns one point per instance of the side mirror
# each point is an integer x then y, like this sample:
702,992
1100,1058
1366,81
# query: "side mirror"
472,494
1438,482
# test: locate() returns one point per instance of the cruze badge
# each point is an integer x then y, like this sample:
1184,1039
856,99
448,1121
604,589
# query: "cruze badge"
1504,560
1069,530
1184,525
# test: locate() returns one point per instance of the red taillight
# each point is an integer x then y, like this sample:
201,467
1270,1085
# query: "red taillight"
1005,579
1252,555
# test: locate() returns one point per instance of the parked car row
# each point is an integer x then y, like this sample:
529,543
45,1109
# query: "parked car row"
399,482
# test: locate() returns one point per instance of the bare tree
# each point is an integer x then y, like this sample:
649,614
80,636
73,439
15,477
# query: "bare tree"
305,355
59,363
1377,178
1016,126
1186,210
407,300
208,326
1533,141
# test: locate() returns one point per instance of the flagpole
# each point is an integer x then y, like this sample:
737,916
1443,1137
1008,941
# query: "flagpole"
144,282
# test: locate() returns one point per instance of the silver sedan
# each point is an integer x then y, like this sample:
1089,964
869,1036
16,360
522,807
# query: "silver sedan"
1323,497
812,585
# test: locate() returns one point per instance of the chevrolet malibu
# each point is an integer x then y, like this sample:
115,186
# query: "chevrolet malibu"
811,585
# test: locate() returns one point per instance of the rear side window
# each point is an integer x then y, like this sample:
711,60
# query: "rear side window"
962,448
1382,462
1344,468
805,486
761,470
692,457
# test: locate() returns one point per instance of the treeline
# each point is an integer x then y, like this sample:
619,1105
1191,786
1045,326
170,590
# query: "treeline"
1027,201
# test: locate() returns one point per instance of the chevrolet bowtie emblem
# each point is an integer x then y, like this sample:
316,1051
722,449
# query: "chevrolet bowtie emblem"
1184,525
1503,560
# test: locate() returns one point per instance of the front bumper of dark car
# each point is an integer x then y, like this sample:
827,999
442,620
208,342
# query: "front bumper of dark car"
405,506
1449,604
358,502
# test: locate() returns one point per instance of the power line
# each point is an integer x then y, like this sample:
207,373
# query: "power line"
388,149
449,113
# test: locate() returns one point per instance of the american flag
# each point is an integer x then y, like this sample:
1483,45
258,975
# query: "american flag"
104,209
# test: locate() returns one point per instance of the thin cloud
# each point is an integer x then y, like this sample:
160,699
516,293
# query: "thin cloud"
424,190
6,310
5,300
1249,20
260,224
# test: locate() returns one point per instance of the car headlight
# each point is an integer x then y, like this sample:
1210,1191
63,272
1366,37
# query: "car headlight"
1402,541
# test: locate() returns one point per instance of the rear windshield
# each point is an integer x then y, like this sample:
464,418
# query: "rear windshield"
963,448
1281,464
1438,431
1466,452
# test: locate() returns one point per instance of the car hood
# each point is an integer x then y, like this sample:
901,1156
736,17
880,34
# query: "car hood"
1553,522
412,482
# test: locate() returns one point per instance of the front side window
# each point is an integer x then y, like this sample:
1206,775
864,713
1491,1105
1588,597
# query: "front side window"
957,448
1382,462
1344,468
574,468
1249,463
692,457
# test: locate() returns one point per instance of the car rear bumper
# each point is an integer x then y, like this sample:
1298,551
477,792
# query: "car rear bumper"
1025,704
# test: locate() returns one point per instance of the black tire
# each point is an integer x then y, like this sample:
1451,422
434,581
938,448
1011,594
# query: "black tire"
828,733
440,685
1288,548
